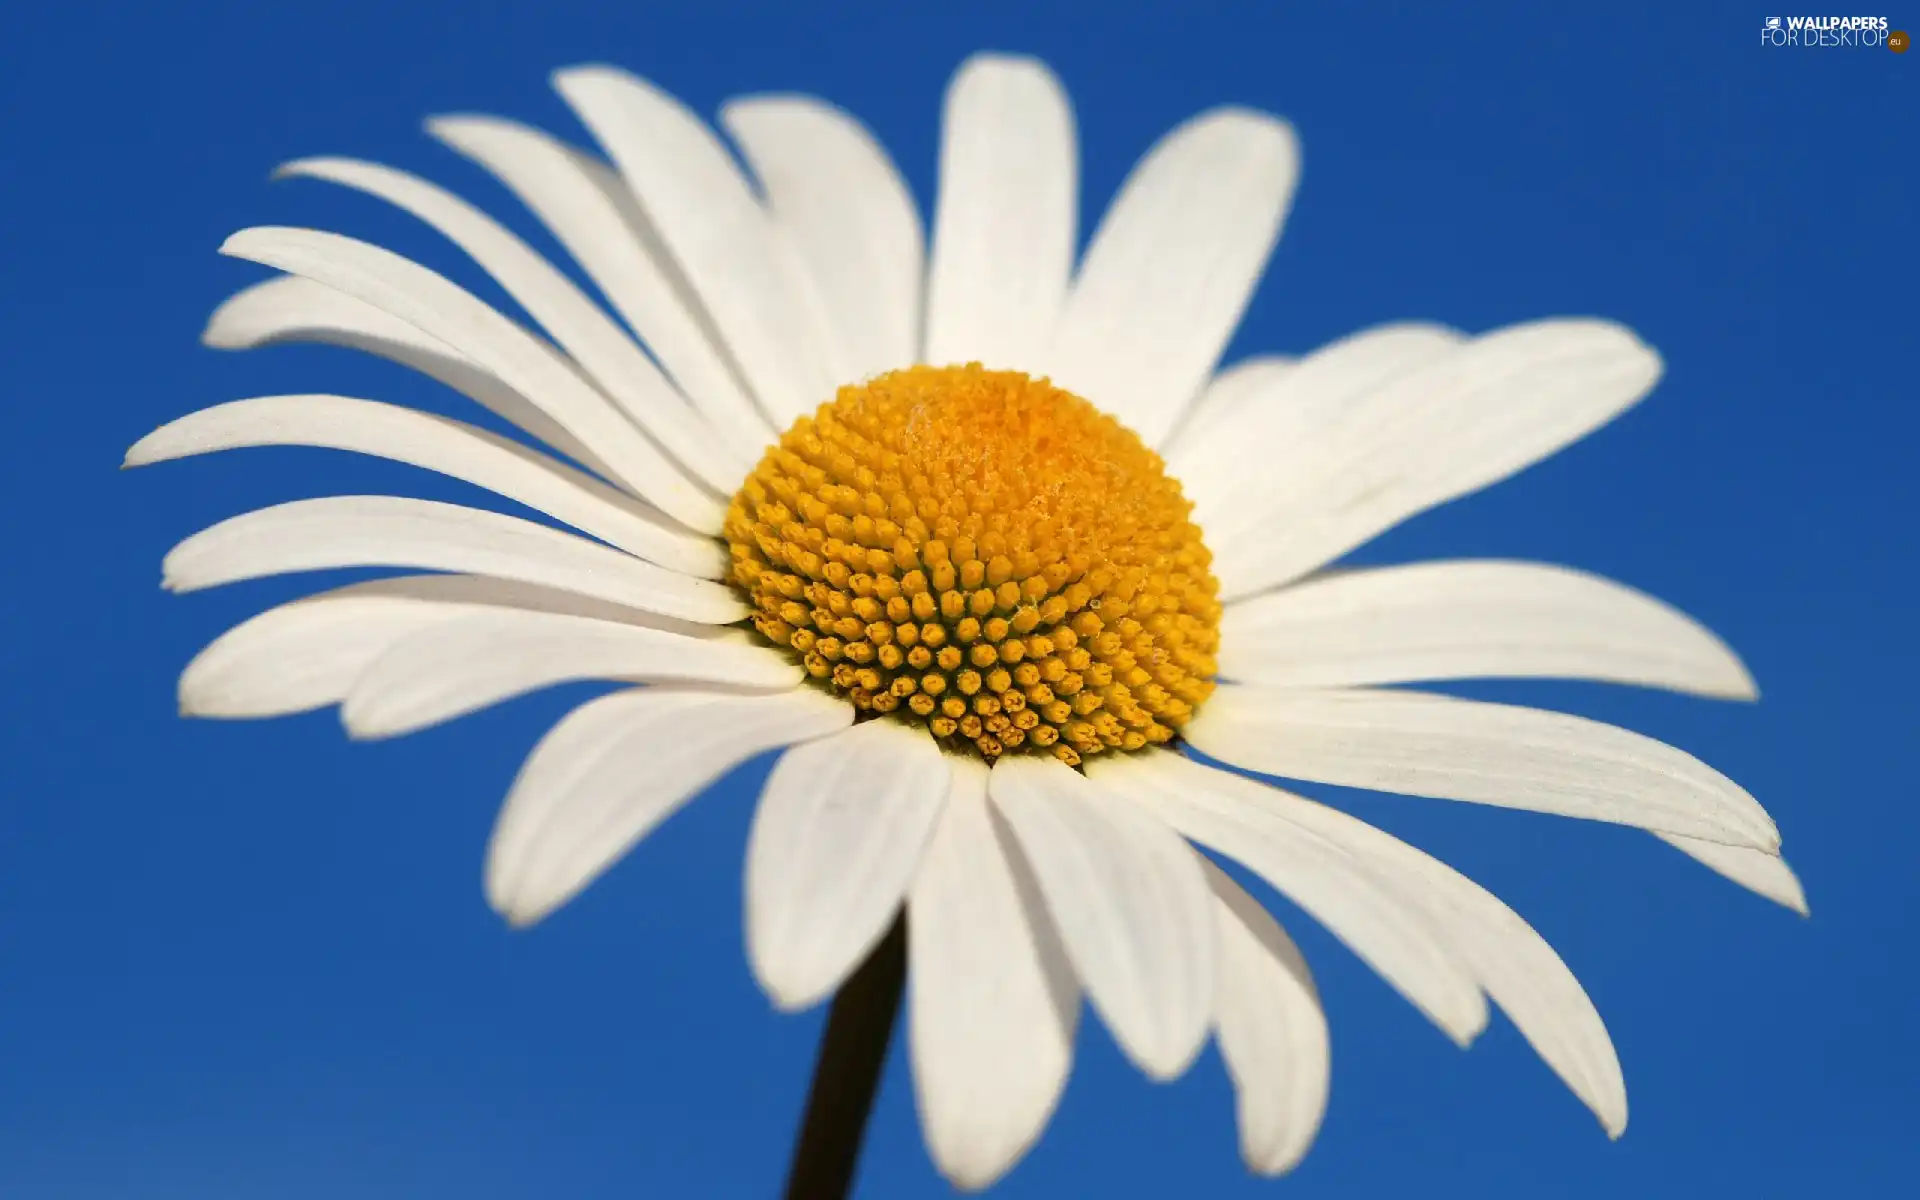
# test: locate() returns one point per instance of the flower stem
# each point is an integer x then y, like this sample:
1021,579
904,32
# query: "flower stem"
847,1073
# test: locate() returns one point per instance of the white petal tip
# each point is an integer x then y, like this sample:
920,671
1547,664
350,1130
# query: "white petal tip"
1788,893
1464,1036
976,1159
453,128
517,912
242,244
1630,345
788,999
1614,1126
771,976
1004,61
220,334
1735,682
789,986
973,1178
753,102
588,76
149,449
1273,1165
363,726
1167,1065
1279,129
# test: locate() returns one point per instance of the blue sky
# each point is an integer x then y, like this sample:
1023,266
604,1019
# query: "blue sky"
253,960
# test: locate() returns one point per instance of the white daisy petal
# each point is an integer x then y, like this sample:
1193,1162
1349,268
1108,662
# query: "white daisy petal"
435,444
1172,266
1003,232
1272,1031
1429,745
718,233
1282,421
438,307
1756,870
992,1000
395,531
843,206
1398,939
1219,405
474,661
299,656
1131,904
606,353
616,767
835,843
289,308
593,215
1472,620
306,654
1466,420
1519,970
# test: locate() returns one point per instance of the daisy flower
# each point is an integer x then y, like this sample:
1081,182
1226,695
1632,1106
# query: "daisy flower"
986,544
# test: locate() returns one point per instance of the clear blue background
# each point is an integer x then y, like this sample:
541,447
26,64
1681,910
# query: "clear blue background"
252,960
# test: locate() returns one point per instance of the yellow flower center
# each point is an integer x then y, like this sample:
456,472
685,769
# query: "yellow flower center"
985,553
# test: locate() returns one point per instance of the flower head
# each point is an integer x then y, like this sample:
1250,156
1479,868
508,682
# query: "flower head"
987,545
988,553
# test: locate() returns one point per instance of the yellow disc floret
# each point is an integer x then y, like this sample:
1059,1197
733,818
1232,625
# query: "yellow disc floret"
987,554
